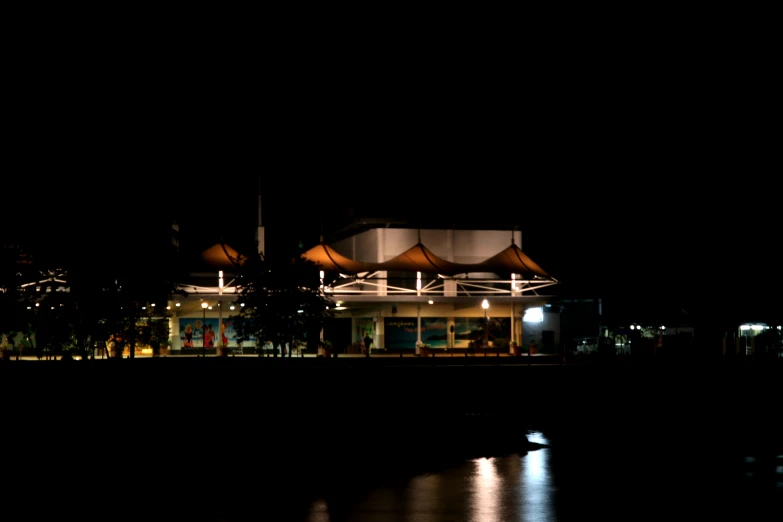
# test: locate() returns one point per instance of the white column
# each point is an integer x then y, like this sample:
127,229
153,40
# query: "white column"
219,343
174,332
418,312
513,325
418,329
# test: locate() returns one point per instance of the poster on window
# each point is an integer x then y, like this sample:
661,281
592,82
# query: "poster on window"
401,332
471,329
192,333
364,330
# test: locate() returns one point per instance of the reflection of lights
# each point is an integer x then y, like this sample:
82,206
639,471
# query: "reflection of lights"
486,491
537,481
422,496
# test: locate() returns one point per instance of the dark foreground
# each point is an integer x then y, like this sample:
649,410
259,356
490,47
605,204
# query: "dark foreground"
180,439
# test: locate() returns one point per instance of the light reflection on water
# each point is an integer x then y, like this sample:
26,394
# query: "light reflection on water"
504,489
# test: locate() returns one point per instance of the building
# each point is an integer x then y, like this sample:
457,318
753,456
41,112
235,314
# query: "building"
398,289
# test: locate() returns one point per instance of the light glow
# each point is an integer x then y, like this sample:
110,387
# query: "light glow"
534,315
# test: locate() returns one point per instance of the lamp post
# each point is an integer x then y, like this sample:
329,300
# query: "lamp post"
204,330
485,305
221,348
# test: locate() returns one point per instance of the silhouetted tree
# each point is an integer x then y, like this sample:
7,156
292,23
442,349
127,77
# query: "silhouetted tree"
283,302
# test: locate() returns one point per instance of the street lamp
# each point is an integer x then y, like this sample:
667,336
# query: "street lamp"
485,305
204,330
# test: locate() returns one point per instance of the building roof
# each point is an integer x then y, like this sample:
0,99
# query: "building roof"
419,258
221,255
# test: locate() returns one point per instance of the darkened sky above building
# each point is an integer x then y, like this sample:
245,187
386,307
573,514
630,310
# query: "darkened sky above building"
632,185
648,238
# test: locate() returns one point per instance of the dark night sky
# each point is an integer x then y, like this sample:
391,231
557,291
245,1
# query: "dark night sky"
644,241
625,184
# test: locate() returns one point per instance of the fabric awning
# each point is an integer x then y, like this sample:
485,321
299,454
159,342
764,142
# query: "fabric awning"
513,261
419,258
222,256
329,260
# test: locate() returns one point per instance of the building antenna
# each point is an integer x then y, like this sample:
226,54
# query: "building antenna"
260,224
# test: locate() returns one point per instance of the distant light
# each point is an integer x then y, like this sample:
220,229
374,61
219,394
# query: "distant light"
757,327
143,307
152,305
204,305
300,311
177,304
484,304
168,308
663,328
233,307
210,308
340,308
745,327
431,301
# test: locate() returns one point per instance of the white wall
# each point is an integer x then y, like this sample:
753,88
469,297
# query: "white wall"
458,246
